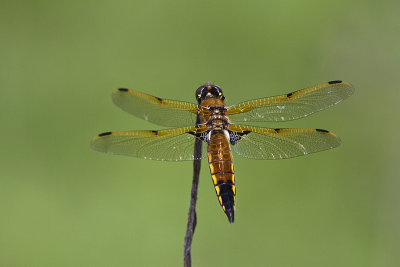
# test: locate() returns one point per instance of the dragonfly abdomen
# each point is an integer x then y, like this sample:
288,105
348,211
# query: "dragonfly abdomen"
222,171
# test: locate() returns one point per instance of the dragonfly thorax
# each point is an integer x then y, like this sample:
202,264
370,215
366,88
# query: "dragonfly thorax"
217,120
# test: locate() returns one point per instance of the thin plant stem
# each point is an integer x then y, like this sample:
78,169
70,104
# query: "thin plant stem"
192,217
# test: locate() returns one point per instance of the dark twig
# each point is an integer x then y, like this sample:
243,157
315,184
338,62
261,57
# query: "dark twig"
192,218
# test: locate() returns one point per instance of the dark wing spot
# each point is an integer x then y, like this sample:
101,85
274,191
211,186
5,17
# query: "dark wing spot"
277,130
123,89
322,130
236,136
159,99
289,95
334,82
106,133
155,132
202,136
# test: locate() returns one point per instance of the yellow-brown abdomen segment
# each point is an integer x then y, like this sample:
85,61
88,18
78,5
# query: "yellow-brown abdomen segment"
222,172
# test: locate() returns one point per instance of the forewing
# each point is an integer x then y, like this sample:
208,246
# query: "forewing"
268,143
291,106
170,145
164,112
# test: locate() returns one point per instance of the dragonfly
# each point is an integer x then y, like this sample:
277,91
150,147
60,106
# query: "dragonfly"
220,130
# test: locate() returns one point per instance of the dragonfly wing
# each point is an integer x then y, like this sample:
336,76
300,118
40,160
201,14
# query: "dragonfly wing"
268,143
291,106
164,112
170,145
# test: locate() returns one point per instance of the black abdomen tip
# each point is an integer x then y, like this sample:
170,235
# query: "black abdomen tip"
231,215
227,196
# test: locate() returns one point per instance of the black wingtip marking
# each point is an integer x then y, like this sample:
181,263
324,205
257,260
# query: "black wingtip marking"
289,95
334,82
277,130
106,133
155,132
159,99
122,89
322,130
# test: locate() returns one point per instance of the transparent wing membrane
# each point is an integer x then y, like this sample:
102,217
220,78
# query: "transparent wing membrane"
268,143
170,145
156,110
247,141
291,106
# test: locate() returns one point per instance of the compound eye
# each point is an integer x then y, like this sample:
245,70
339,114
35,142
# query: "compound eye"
217,91
200,92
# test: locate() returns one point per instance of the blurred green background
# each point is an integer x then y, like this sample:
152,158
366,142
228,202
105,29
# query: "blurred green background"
63,204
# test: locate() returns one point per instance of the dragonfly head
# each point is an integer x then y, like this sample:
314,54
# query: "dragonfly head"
209,91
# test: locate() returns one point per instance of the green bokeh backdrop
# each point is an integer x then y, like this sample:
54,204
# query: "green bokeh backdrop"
62,204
